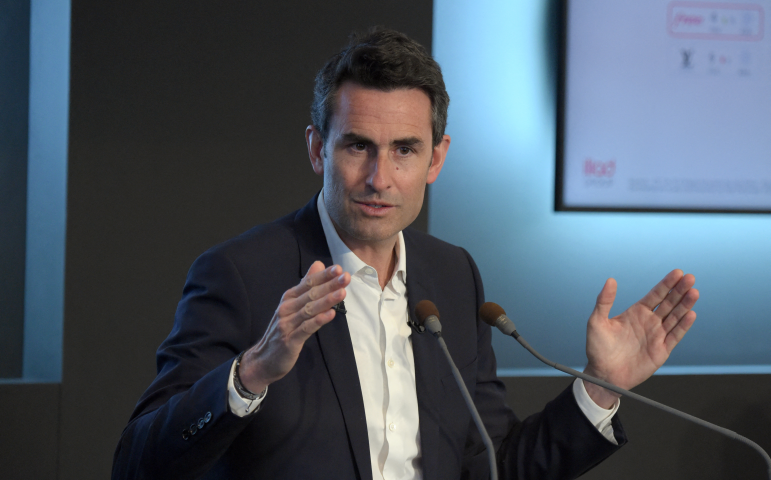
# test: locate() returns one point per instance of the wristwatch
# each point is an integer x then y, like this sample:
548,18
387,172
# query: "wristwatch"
243,391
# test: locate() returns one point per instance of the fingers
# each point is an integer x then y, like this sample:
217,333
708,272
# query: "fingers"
328,295
660,291
318,292
681,310
316,275
313,297
675,297
315,314
312,325
675,310
678,332
605,298
319,298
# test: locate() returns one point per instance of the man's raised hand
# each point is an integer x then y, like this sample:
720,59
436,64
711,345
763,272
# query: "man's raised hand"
627,349
304,309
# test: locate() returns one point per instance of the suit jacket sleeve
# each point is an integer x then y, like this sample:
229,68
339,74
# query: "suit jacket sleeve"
182,423
230,296
557,443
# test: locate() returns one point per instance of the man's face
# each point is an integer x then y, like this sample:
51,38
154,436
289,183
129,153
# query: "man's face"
376,162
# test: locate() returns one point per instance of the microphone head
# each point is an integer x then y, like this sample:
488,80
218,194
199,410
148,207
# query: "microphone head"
494,315
490,312
428,316
424,309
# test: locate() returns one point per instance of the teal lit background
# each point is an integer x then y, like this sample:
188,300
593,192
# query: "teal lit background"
44,130
495,197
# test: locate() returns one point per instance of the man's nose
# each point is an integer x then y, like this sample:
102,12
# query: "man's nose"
379,177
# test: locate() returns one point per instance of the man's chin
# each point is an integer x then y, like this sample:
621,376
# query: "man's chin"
369,234
375,237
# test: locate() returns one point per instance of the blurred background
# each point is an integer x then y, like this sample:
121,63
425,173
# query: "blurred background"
135,136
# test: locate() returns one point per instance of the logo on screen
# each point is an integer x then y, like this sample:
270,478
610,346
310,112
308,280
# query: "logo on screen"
599,169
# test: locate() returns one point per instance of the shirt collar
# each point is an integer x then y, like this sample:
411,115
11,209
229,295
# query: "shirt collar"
343,256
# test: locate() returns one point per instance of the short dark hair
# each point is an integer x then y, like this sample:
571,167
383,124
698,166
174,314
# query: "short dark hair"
386,60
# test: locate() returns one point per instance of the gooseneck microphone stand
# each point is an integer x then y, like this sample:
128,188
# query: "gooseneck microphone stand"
495,316
428,316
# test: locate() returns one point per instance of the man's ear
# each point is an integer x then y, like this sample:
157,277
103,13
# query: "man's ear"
315,149
437,159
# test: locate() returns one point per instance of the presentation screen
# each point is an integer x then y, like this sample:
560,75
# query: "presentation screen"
495,194
665,105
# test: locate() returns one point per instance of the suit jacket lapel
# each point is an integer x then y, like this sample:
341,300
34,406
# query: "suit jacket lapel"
427,355
335,342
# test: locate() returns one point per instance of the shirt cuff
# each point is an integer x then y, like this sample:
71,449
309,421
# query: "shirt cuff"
599,417
239,405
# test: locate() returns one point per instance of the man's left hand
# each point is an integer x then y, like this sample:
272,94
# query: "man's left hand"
627,349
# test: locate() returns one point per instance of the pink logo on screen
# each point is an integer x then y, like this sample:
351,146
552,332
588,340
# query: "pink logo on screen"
685,19
716,20
599,169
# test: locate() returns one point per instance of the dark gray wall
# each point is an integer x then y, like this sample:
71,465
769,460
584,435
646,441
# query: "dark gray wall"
14,107
29,436
186,127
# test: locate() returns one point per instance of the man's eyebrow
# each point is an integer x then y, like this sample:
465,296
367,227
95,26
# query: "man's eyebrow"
354,138
407,142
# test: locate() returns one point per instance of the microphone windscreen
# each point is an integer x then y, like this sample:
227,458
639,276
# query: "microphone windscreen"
424,309
490,312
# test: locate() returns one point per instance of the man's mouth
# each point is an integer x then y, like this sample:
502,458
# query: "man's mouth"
375,204
373,208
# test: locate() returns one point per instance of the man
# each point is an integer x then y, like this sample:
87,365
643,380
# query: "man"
294,352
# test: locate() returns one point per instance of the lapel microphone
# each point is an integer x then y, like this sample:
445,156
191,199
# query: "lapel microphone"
417,327
340,307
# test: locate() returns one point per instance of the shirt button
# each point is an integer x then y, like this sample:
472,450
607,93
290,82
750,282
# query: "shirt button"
392,427
369,270
391,363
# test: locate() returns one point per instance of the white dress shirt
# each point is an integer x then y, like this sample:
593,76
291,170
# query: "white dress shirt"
377,321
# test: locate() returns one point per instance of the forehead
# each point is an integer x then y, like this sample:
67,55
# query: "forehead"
363,110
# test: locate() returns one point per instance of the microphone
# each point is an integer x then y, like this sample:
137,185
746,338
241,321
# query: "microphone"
494,315
428,317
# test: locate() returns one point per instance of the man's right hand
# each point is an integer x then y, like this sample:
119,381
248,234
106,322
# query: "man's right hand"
303,310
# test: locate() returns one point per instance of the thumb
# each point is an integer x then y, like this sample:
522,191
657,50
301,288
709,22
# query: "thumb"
605,299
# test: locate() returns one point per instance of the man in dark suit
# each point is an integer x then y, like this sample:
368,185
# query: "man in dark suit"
354,391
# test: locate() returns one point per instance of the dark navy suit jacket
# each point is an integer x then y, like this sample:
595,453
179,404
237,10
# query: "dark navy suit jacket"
311,424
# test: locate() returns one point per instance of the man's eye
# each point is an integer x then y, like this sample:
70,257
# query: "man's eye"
360,147
404,150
